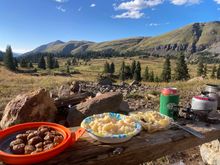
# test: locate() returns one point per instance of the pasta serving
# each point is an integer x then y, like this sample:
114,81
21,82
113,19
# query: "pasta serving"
152,121
106,125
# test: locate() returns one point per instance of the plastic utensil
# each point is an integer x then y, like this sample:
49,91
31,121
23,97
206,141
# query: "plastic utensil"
7,135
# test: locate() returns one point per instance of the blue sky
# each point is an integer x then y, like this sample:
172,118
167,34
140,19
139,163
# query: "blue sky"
26,24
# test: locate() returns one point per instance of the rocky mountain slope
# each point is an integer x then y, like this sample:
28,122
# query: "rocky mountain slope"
193,38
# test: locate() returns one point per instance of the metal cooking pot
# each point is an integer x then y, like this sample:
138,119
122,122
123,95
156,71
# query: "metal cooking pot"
214,92
204,103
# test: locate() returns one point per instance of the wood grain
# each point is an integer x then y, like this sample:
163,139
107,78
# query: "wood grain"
142,148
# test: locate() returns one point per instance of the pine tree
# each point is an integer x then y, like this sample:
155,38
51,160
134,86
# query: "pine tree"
106,67
112,68
213,75
181,70
218,72
151,76
205,70
67,69
8,59
128,74
15,62
122,72
23,63
146,74
137,72
30,65
156,79
166,73
56,64
42,63
50,61
133,66
200,68
68,62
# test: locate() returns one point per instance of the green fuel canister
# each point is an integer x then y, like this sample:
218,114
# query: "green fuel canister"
169,101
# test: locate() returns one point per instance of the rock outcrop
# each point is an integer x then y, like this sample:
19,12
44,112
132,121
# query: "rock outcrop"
108,102
210,152
29,107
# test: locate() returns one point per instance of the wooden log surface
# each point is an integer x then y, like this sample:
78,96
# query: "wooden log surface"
142,148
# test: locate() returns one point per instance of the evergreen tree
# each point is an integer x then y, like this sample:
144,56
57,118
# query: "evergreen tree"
112,68
200,68
15,62
151,76
74,61
8,59
218,72
42,63
56,64
133,66
50,61
166,73
30,65
146,74
106,67
67,69
137,72
128,74
68,62
213,75
181,70
122,72
23,63
156,79
205,70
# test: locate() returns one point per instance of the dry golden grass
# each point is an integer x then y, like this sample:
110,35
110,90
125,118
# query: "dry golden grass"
12,84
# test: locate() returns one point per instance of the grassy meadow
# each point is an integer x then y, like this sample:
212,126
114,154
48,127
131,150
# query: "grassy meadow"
12,84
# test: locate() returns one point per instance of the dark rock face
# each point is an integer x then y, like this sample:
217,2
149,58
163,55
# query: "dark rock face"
29,107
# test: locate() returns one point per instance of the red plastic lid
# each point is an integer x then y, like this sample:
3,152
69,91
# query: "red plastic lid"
169,91
204,98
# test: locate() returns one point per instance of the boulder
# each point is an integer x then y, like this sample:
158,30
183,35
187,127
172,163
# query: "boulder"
210,152
30,107
107,102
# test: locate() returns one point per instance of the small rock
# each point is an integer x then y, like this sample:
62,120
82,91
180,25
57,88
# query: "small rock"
75,87
64,91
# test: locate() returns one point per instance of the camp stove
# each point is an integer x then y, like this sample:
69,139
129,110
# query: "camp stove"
194,115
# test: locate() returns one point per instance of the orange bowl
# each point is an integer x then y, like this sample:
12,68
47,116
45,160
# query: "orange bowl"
7,135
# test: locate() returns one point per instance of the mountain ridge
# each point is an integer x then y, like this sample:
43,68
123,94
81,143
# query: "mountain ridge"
191,39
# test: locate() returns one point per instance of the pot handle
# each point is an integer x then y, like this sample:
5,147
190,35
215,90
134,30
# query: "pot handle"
77,134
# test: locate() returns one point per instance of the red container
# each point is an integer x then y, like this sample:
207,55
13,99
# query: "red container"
169,91
10,133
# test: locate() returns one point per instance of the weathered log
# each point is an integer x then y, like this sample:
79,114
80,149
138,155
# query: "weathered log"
71,100
142,148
